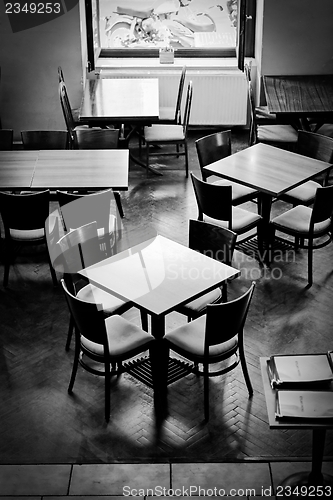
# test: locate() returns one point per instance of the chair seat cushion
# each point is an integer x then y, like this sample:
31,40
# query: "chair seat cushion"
199,305
297,220
191,337
305,193
123,336
28,235
161,133
93,294
277,133
238,191
242,220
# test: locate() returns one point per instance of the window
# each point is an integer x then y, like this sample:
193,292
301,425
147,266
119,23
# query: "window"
192,28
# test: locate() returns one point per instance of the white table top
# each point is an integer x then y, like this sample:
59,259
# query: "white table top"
159,275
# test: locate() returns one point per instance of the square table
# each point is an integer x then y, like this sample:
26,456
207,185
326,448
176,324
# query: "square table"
81,169
300,96
318,427
17,169
120,100
270,170
159,275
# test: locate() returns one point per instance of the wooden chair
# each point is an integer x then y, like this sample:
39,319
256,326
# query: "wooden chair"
106,341
173,114
166,134
72,122
6,139
219,244
45,139
214,337
99,139
76,250
315,146
79,209
311,224
214,147
215,207
280,135
24,217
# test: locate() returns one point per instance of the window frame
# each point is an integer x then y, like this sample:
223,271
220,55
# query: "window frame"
245,41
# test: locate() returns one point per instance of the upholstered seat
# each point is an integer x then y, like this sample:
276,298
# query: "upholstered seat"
122,336
276,133
242,220
298,220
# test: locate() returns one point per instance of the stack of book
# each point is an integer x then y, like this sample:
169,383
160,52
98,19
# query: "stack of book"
304,385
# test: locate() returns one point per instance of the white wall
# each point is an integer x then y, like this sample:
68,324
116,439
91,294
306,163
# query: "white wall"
297,37
29,60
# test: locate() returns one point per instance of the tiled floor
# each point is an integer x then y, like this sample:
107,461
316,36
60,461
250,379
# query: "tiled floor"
240,480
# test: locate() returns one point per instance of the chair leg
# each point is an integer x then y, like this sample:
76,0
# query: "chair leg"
107,390
70,332
117,198
206,392
245,370
186,159
75,363
147,158
144,320
53,273
310,262
7,259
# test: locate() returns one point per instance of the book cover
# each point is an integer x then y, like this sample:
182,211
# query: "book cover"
303,368
304,404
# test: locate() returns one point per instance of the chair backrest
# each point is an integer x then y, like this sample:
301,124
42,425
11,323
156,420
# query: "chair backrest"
24,211
180,95
88,318
78,210
323,205
61,74
211,240
66,108
96,138
253,123
317,146
227,319
44,139
78,249
213,200
211,148
188,106
6,139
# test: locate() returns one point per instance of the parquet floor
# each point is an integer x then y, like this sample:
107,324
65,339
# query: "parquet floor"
41,423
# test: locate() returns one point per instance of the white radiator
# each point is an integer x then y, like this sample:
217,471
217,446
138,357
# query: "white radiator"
219,98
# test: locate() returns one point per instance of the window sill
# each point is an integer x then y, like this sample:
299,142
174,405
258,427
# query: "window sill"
104,65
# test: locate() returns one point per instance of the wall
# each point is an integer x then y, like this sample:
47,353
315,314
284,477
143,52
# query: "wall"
29,82
297,37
